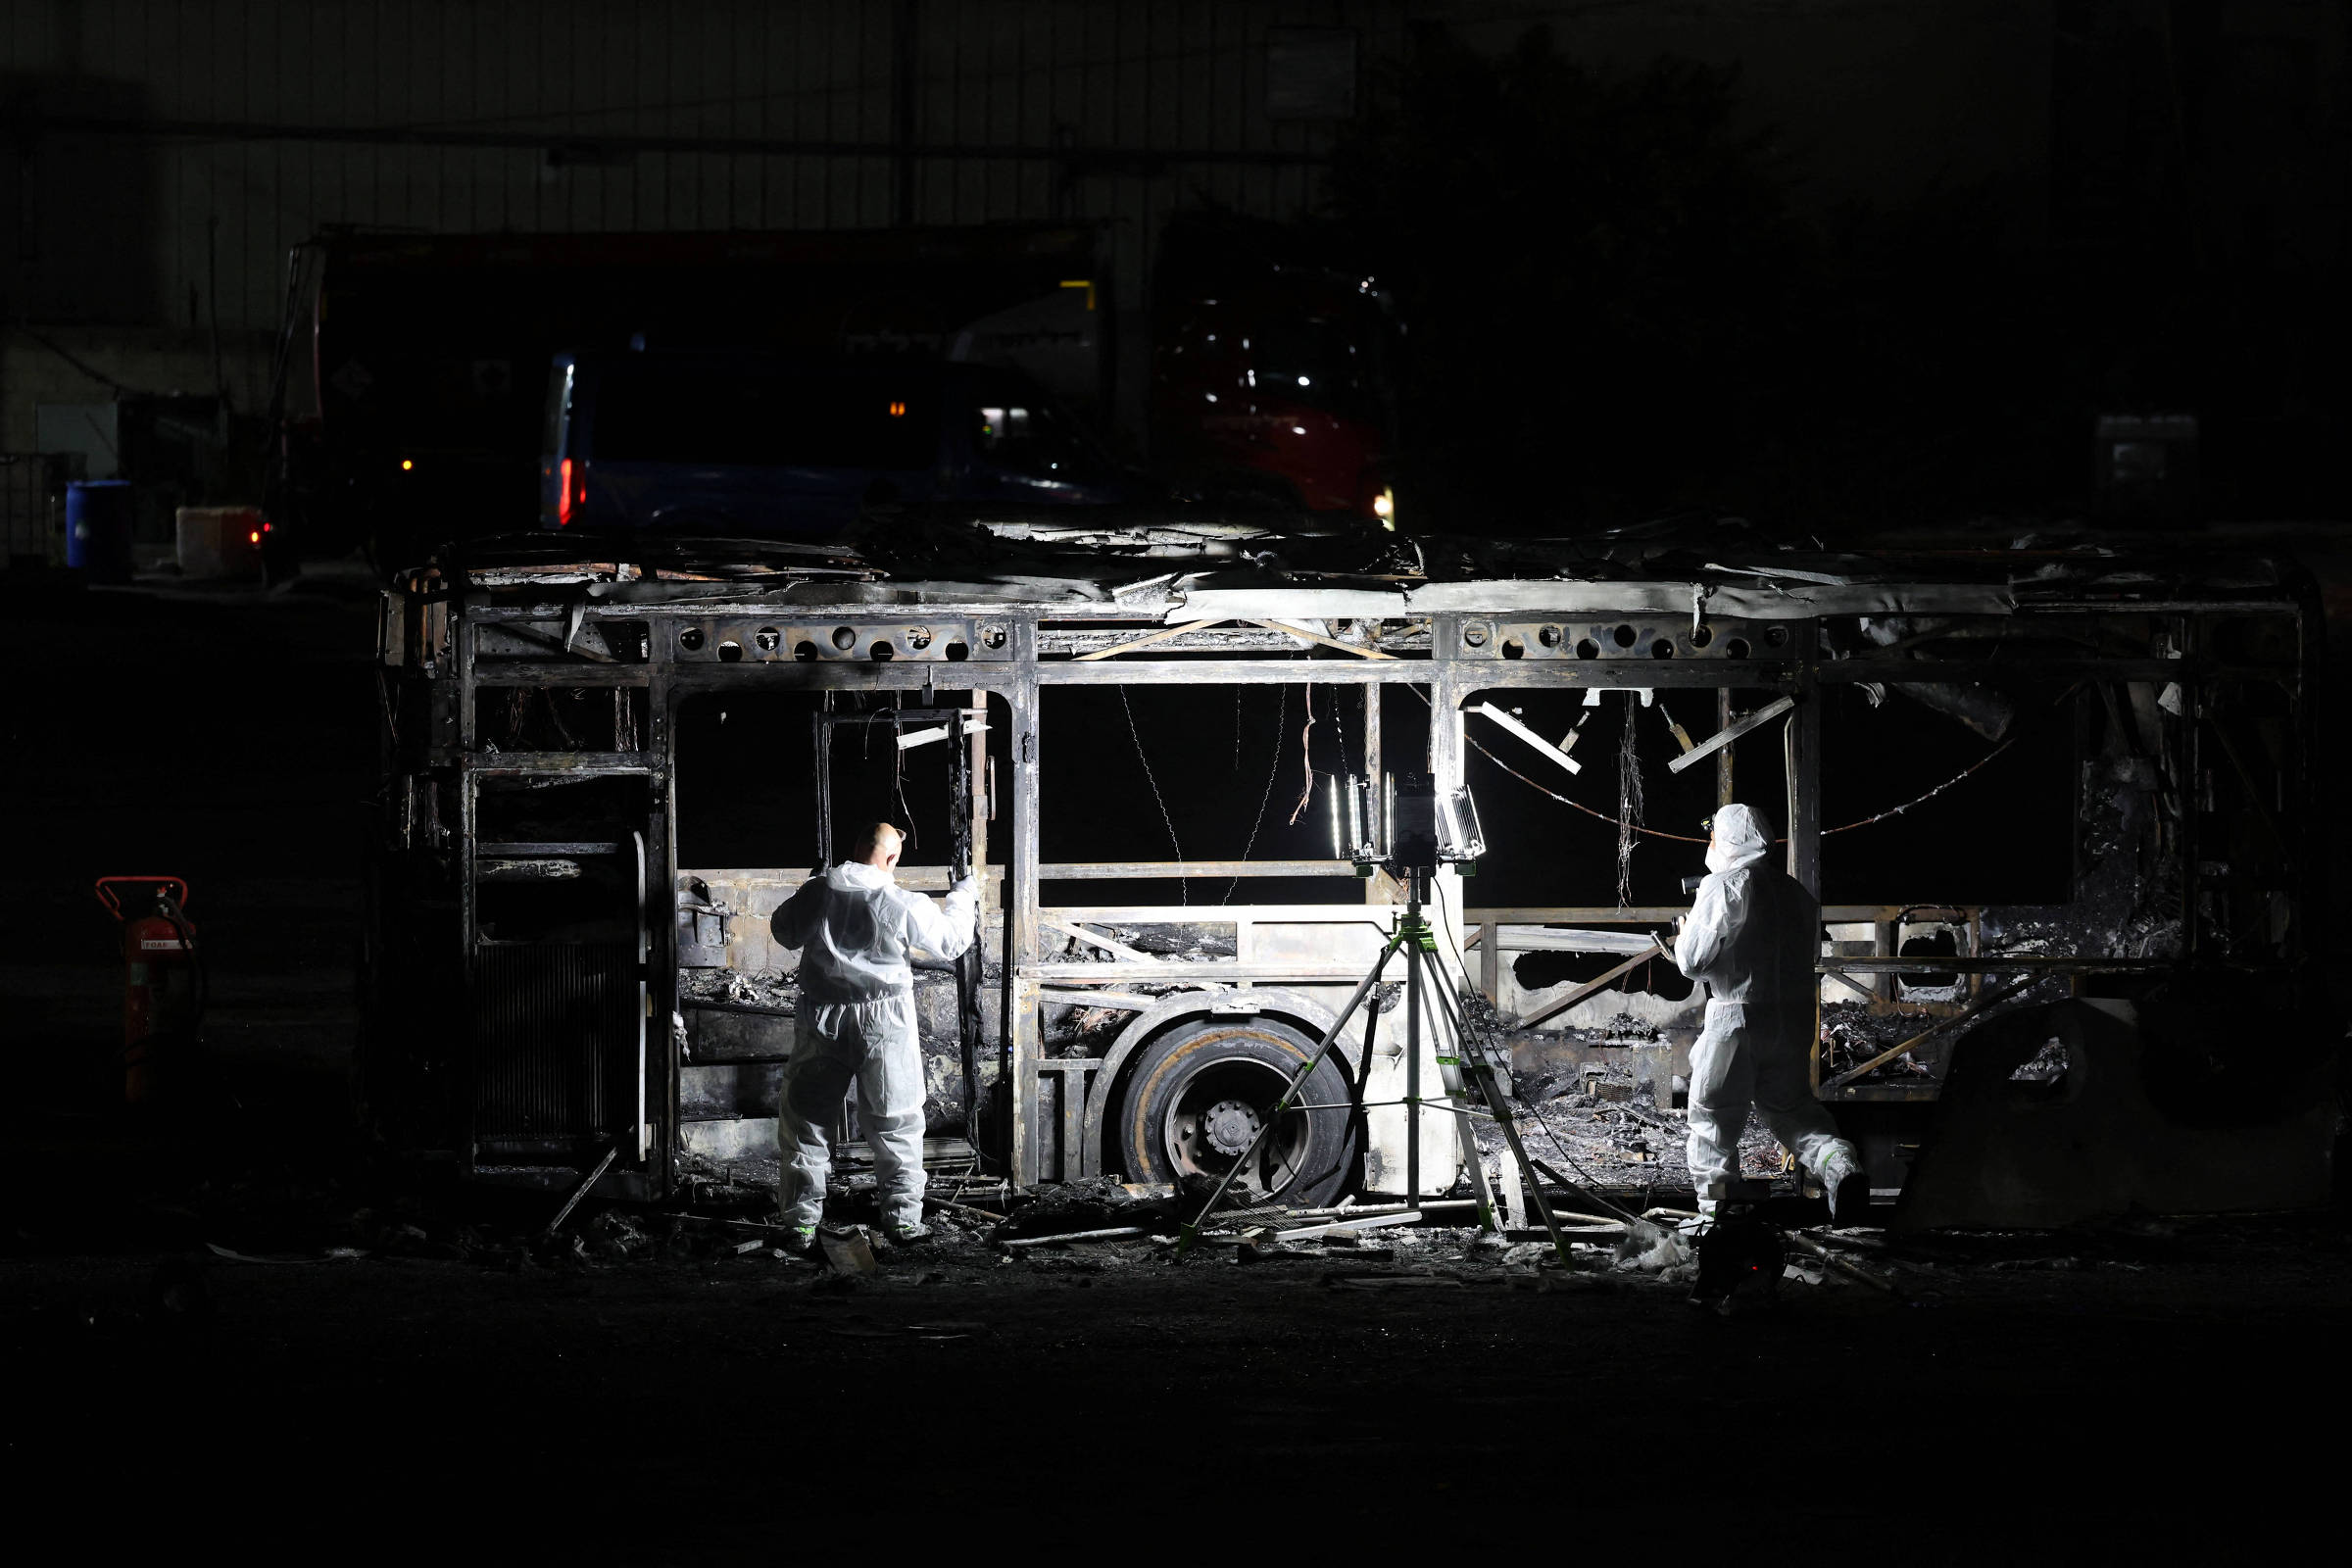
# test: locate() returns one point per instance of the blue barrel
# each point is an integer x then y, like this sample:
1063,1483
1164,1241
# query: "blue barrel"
98,516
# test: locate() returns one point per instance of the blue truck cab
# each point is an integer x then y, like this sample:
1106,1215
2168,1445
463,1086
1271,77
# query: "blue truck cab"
766,446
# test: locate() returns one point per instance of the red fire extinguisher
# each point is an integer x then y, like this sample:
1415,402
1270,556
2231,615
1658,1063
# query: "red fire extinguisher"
164,989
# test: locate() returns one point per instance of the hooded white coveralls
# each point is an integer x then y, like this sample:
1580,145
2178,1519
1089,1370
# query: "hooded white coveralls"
856,1025
1753,935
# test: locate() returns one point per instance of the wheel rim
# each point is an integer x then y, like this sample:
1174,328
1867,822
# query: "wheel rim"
1217,1110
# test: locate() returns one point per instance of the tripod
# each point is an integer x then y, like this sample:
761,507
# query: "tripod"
1417,941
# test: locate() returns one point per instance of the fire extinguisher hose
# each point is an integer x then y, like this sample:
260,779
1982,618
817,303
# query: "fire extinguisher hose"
171,911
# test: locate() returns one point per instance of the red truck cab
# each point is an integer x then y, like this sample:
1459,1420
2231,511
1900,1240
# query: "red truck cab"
1276,384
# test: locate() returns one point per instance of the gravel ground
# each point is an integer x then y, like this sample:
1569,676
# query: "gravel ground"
682,1405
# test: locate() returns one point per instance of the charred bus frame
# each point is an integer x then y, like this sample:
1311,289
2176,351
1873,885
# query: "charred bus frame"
646,640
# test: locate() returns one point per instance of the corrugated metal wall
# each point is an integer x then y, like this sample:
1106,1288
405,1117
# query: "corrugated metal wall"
258,122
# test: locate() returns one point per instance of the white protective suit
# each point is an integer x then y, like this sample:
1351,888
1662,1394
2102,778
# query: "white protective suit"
1753,935
856,1025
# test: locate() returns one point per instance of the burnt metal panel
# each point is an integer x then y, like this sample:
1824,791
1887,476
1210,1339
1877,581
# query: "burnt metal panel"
555,1039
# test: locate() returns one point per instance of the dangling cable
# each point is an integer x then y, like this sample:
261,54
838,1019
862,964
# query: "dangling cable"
1629,804
1282,707
1306,762
1183,888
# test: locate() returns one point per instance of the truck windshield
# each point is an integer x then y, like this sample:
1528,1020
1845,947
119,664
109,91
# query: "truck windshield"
1313,361
757,416
1029,438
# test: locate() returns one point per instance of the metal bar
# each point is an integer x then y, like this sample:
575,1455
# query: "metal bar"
821,742
1233,640
1076,1086
712,1004
842,675
1939,1027
469,892
1206,969
538,672
1154,870
1160,636
1855,986
1318,637
1841,1263
1482,676
1732,732
659,718
1289,670
1722,758
1593,987
1489,711
1373,796
1582,914
1078,996
2192,810
531,634
2245,778
1899,671
2038,962
1222,915
1541,939
969,966
1370,1222
1804,737
1071,928
644,945
934,879
1412,1044
1665,913
1020,1027
583,764
611,1152
1116,1232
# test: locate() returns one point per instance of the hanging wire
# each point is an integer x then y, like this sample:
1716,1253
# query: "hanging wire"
1897,811
1183,887
1629,800
1307,762
1282,708
1685,838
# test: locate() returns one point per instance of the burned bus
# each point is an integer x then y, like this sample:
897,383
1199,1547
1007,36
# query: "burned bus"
2060,797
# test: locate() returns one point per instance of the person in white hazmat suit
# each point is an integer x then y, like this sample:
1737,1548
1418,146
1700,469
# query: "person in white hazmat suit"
855,1024
1753,934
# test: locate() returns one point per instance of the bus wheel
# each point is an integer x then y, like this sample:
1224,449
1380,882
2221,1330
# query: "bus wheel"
1198,1094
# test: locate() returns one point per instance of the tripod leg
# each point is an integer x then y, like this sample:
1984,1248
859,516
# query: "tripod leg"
1451,1062
1184,1239
1475,1054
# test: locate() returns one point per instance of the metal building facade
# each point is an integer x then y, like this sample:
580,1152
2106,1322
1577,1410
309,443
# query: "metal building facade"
174,151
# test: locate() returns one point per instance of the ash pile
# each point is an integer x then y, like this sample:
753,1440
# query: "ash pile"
1605,1106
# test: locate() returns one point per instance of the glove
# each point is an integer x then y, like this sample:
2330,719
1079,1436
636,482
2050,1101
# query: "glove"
969,885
